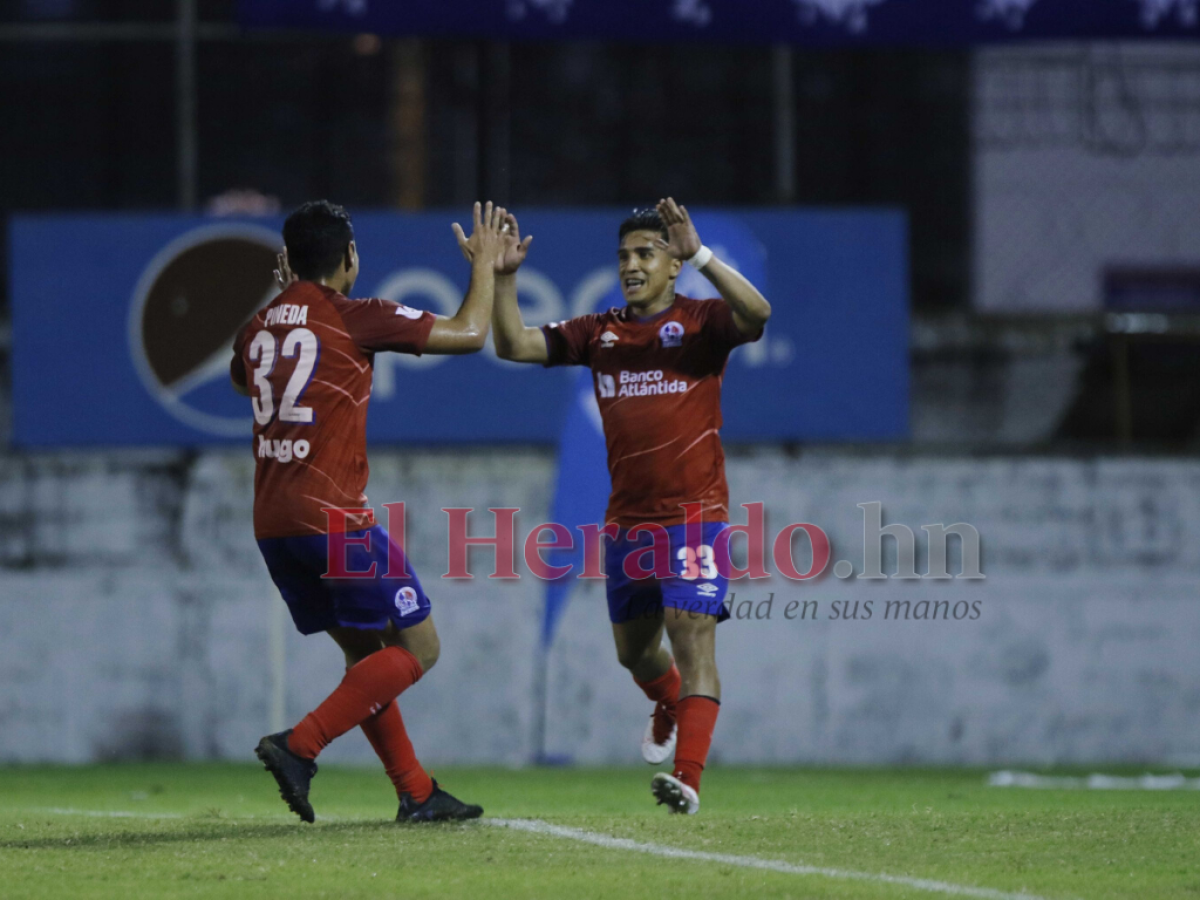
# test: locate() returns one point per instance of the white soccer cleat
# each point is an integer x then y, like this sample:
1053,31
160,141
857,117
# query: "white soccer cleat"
657,754
678,797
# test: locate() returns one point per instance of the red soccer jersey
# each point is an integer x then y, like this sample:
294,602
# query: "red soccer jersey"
658,383
307,359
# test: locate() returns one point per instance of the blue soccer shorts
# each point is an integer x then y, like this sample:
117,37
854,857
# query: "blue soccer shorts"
317,604
695,585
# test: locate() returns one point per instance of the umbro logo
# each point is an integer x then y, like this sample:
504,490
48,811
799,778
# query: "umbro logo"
708,589
608,339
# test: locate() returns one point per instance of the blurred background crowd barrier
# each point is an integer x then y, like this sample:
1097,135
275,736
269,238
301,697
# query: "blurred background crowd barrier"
978,224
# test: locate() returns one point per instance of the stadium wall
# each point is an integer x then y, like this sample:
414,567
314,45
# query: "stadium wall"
137,620
1086,158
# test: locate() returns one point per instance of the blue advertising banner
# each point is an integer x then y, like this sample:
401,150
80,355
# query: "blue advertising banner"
122,325
807,22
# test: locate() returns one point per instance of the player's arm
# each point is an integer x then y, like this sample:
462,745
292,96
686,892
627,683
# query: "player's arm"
240,386
513,339
237,366
284,277
466,330
750,308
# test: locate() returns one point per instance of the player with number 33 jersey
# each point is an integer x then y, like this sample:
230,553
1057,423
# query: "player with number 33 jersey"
657,366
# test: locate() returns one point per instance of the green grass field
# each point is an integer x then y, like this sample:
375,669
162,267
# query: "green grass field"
165,830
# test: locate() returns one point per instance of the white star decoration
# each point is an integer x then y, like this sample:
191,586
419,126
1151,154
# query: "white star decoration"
554,10
694,12
1012,12
1154,11
851,13
352,7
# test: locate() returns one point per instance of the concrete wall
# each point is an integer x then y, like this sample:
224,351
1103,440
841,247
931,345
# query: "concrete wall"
137,619
1085,158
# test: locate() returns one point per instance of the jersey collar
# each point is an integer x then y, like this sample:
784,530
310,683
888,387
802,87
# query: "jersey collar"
631,316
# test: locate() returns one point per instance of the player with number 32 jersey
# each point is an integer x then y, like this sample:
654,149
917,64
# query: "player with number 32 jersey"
305,362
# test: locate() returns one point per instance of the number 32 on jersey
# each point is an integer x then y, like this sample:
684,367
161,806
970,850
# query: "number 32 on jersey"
263,350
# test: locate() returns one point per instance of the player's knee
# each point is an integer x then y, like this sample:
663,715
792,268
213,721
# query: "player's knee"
692,635
686,625
629,657
633,657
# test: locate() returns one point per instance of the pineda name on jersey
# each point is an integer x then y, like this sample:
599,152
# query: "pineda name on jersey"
286,314
639,384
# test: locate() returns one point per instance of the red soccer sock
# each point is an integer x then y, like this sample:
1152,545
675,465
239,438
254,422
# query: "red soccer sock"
665,688
697,719
664,691
367,688
385,730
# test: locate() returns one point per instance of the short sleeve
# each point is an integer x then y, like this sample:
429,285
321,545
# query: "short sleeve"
568,343
380,325
237,365
722,329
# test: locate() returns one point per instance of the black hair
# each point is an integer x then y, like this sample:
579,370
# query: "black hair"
646,219
316,236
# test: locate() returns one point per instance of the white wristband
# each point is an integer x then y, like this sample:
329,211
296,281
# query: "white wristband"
702,258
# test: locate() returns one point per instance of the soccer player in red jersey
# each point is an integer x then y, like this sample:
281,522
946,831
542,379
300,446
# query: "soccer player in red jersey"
657,366
305,360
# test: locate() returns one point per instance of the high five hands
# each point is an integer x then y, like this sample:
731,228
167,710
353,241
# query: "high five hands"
515,250
495,237
684,241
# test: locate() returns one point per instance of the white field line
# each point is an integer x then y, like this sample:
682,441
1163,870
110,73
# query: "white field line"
535,826
129,814
103,813
1094,782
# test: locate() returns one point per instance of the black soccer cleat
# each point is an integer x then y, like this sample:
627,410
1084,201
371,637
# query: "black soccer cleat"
292,773
440,807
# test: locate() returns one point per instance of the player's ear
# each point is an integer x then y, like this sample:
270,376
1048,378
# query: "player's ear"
676,267
351,259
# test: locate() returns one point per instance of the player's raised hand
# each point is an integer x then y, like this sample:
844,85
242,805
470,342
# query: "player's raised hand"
684,241
515,250
487,236
284,275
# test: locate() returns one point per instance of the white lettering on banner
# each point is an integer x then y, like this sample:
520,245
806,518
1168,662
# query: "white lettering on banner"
282,451
541,302
287,314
